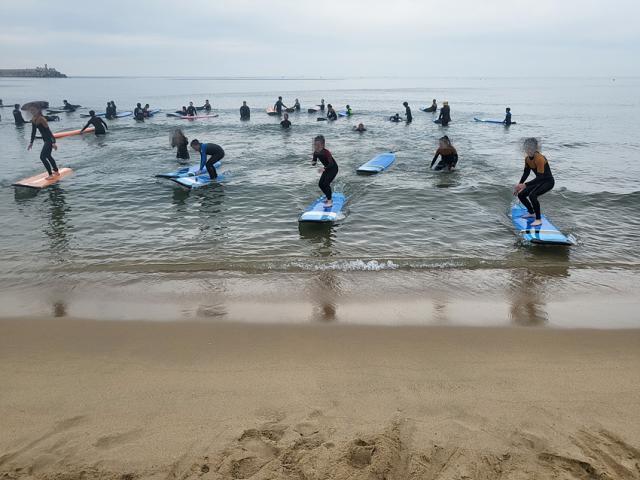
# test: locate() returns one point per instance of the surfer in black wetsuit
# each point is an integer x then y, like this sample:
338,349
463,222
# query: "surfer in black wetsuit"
448,153
109,113
146,111
17,115
191,111
207,106
179,140
296,106
360,128
278,106
433,107
245,111
507,117
395,118
529,192
39,123
321,105
407,109
215,152
99,124
331,113
285,123
330,170
68,107
445,115
138,113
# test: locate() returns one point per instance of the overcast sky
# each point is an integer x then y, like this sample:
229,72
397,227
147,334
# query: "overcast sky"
332,38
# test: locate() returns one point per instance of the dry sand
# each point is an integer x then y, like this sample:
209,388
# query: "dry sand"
127,400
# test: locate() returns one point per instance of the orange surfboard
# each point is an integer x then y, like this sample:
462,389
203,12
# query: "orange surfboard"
72,132
40,181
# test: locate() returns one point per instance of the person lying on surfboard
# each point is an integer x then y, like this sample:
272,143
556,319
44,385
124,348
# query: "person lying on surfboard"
286,123
216,154
448,153
529,192
331,113
330,170
360,128
98,124
507,117
39,123
180,140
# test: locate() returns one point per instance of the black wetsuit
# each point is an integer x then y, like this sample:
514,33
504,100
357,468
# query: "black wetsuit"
192,111
507,118
449,158
409,117
138,114
540,185
245,112
445,115
17,117
110,112
215,153
332,115
278,106
297,106
183,151
47,160
322,107
206,107
285,123
330,170
99,124
69,108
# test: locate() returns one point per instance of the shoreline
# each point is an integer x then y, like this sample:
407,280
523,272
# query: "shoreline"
190,400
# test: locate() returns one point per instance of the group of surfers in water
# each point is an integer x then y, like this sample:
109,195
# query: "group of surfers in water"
528,192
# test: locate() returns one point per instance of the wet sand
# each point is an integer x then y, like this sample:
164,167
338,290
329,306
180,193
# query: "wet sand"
87,399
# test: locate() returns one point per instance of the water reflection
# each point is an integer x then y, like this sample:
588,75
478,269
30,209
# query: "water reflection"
57,228
529,285
320,236
324,290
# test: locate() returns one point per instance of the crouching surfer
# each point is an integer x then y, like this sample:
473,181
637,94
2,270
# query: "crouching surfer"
448,153
215,153
529,192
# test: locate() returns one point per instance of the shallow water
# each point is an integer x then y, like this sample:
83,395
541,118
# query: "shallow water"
113,224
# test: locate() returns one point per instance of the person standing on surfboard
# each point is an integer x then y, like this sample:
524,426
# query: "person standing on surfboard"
245,111
329,171
278,106
449,155
507,117
216,154
98,124
407,109
529,192
39,123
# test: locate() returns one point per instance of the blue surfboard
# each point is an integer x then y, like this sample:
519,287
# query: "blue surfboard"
186,171
546,233
482,120
378,163
317,212
198,181
153,112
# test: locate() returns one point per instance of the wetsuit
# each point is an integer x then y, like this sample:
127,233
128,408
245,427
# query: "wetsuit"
297,106
432,108
322,107
445,115
507,119
285,123
278,106
110,114
330,170
216,154
138,113
17,117
408,116
540,185
449,158
395,118
332,115
192,111
245,112
47,160
99,125
207,107
183,151
69,108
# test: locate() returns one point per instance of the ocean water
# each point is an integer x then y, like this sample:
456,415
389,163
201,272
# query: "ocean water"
114,233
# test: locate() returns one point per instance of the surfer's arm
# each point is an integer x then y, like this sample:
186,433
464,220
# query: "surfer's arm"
525,174
105,124
33,132
86,126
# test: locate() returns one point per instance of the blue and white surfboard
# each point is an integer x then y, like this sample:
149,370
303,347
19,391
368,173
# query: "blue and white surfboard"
317,212
546,233
378,163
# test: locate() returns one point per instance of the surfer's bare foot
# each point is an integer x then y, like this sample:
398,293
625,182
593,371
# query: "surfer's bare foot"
328,203
50,177
537,223
56,173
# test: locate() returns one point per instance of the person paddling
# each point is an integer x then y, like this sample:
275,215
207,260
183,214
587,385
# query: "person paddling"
330,170
99,124
529,192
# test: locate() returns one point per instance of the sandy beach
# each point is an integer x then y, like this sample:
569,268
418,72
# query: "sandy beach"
87,399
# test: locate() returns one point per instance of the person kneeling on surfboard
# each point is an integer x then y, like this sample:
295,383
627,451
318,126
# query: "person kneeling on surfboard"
216,152
39,123
449,155
329,171
529,192
97,122
286,123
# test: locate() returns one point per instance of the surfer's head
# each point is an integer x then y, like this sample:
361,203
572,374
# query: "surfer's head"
508,110
444,141
92,112
195,144
17,106
406,104
530,146
318,143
